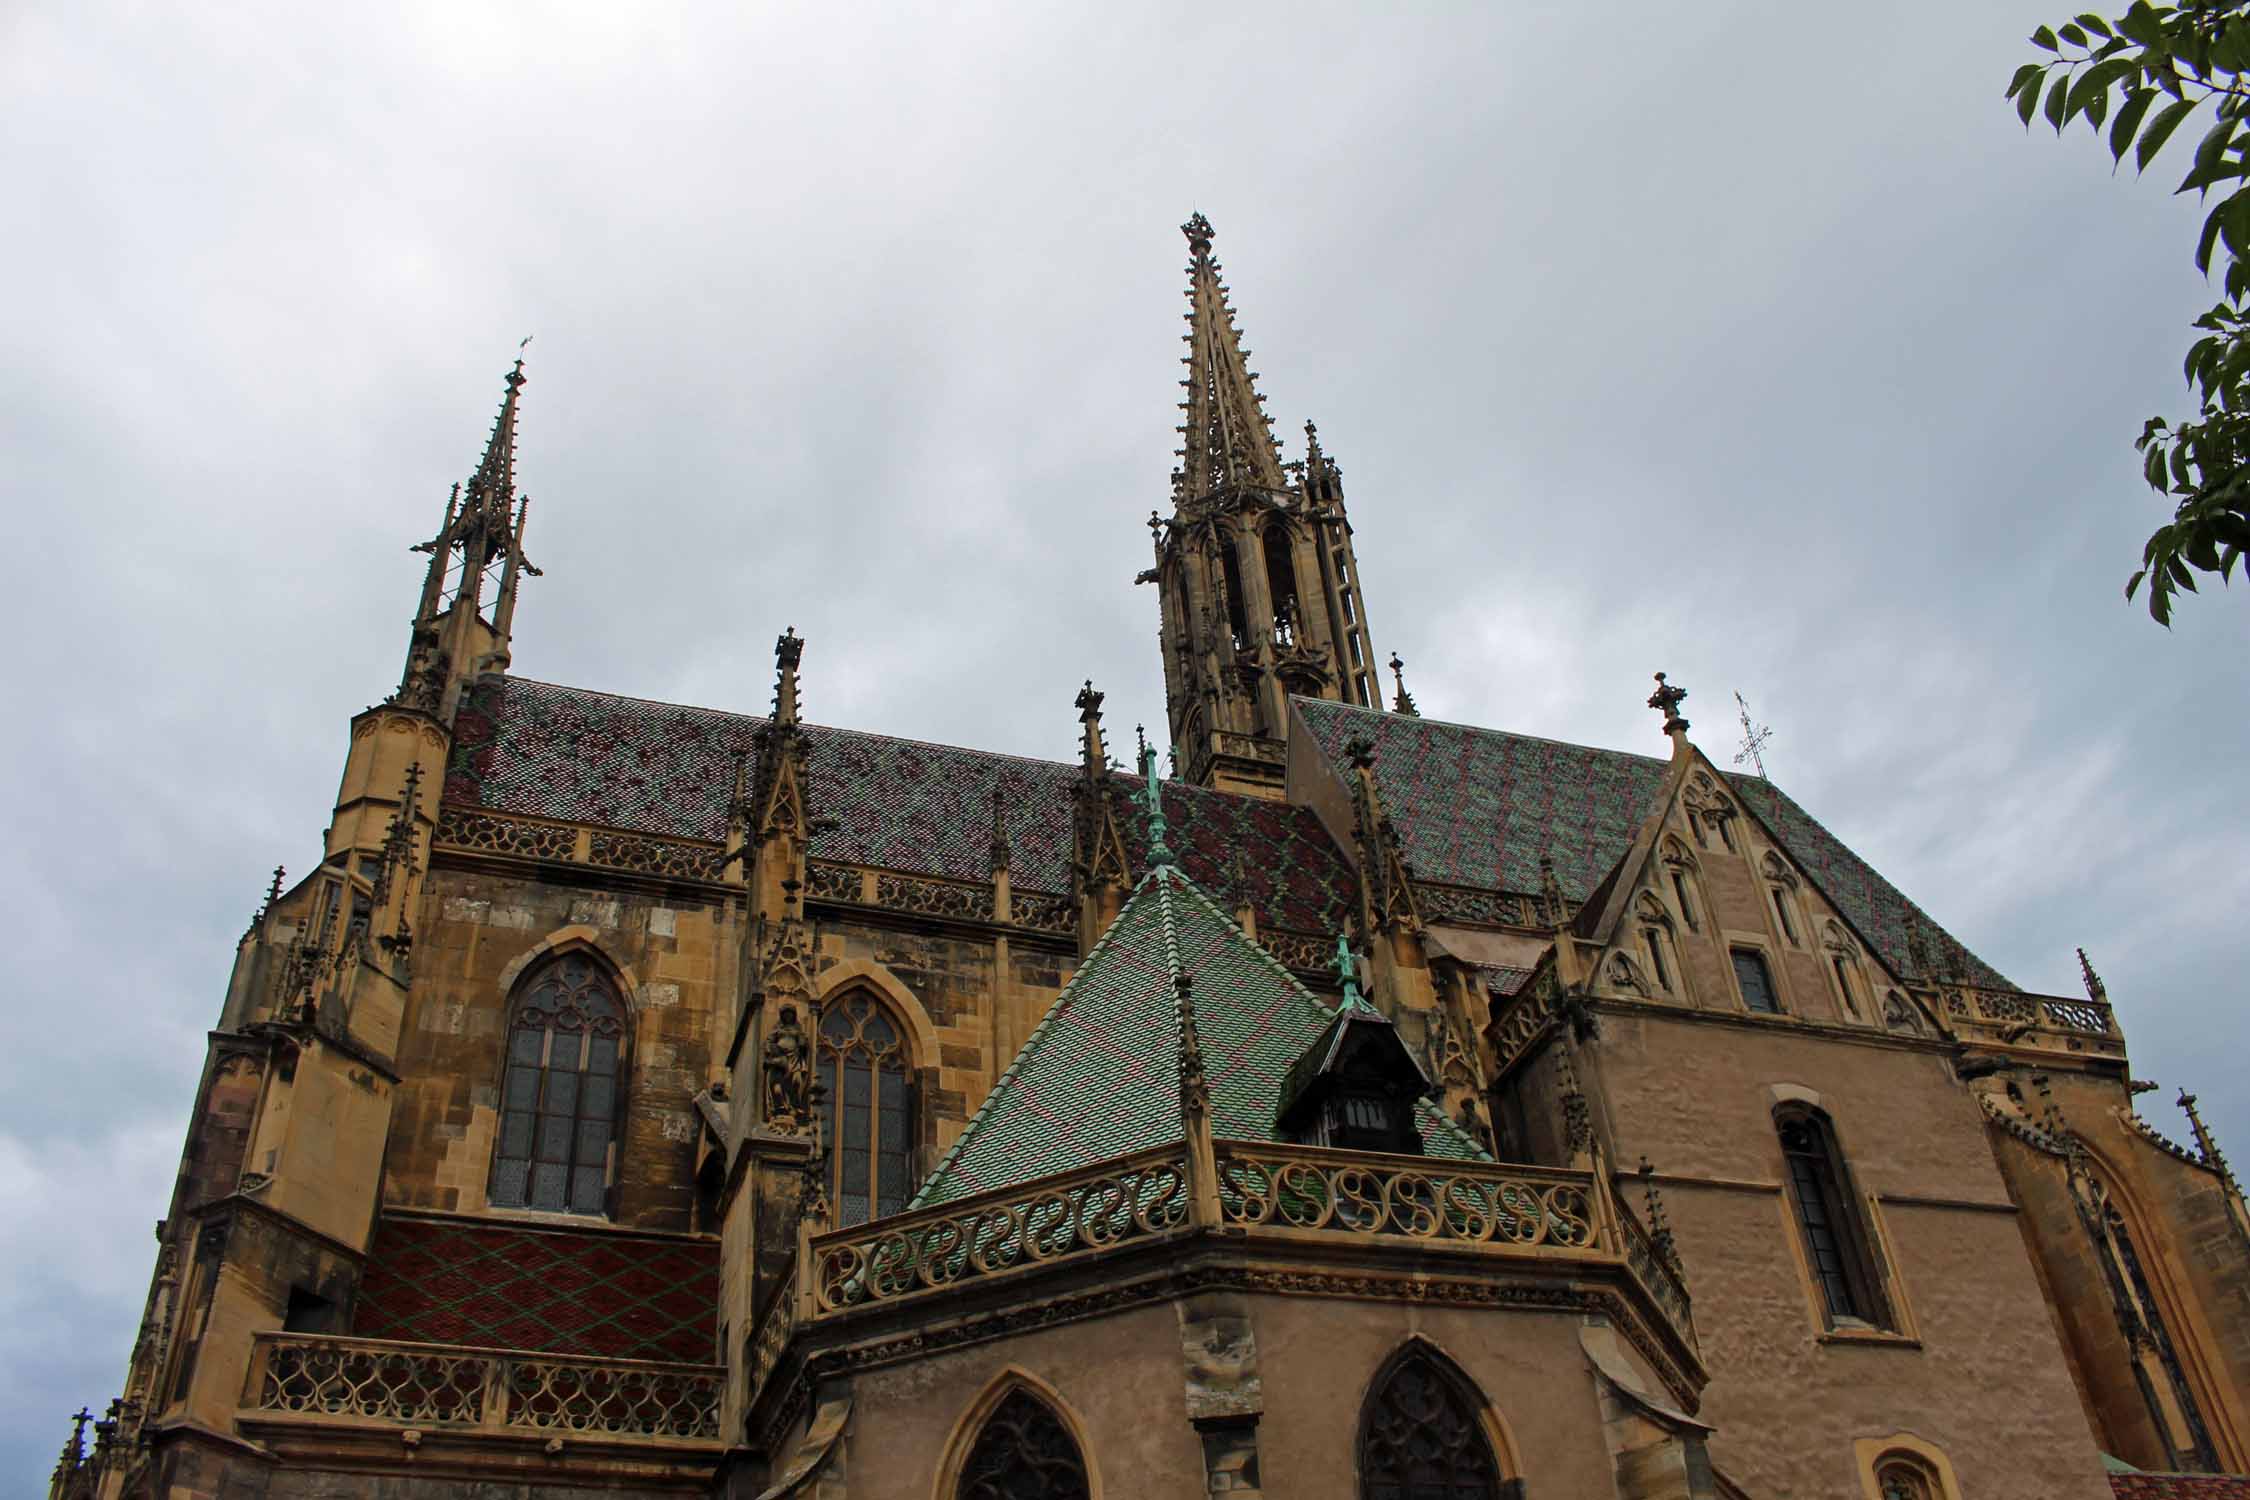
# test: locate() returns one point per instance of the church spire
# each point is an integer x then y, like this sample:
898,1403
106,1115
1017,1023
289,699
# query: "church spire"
458,632
1259,589
1228,442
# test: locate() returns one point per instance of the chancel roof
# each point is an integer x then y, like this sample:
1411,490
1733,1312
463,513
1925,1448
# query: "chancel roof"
1478,807
1473,807
584,757
1099,1076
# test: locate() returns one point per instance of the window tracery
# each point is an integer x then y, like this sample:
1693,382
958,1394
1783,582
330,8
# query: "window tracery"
560,1090
1903,1476
1420,1437
867,1121
1023,1452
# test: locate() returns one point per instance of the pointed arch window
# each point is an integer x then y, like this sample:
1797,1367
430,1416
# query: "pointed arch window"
1238,619
561,1092
1899,1478
867,1122
2156,1361
1023,1452
1838,1249
1281,583
1421,1438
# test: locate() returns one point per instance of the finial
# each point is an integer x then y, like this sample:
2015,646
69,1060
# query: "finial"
1312,447
1404,702
1659,1227
1360,751
1140,742
2095,990
1754,737
273,891
1156,527
1666,699
1198,232
1917,948
1152,789
1088,703
1347,975
788,650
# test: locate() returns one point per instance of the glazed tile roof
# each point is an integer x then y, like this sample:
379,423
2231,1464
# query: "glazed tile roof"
583,757
497,1285
1099,1076
1479,806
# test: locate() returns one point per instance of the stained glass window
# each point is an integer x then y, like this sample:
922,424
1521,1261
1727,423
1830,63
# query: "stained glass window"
1023,1452
1835,1240
868,1124
559,1094
1420,1438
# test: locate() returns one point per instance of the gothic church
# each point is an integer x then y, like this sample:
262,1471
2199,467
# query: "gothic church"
638,1099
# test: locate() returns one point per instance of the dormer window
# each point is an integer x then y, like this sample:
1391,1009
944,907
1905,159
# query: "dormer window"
1355,1088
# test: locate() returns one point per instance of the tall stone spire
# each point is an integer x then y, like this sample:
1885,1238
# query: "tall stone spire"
1228,442
468,605
1260,588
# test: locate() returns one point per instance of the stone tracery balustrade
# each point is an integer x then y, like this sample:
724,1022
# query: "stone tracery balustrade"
1419,1197
444,1385
991,1234
2073,1017
1655,1274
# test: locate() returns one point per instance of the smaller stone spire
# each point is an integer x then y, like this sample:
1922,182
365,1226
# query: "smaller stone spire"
1403,703
1195,1088
2095,989
1550,892
1666,700
788,651
2204,1142
1660,1227
1092,756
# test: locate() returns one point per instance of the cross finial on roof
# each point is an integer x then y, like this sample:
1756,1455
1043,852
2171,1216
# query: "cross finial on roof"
1666,700
1404,702
1152,789
1347,975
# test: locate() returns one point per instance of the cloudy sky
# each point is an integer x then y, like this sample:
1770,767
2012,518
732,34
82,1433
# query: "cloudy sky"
1755,343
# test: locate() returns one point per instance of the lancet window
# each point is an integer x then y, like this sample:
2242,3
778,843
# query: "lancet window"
1420,1437
2157,1367
1838,1248
561,1091
1281,585
1023,1452
868,1124
1755,981
1238,620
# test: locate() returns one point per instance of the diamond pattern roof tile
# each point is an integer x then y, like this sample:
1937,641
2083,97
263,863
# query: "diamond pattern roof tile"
1479,806
1098,1077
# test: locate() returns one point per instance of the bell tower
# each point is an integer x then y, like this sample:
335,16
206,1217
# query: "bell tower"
1260,591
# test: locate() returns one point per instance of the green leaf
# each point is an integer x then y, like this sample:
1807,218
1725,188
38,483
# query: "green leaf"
2044,37
2128,121
2134,582
2095,24
2211,224
2097,108
2027,101
2073,35
2159,130
2141,23
2057,97
2027,74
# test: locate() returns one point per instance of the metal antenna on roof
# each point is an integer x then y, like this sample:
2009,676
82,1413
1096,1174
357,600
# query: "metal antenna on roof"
1754,737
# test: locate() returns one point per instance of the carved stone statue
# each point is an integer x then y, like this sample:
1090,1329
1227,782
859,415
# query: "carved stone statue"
788,1075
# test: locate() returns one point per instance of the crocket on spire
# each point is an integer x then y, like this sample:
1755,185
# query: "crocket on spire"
1228,441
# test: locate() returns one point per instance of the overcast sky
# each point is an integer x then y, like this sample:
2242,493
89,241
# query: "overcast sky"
1756,343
